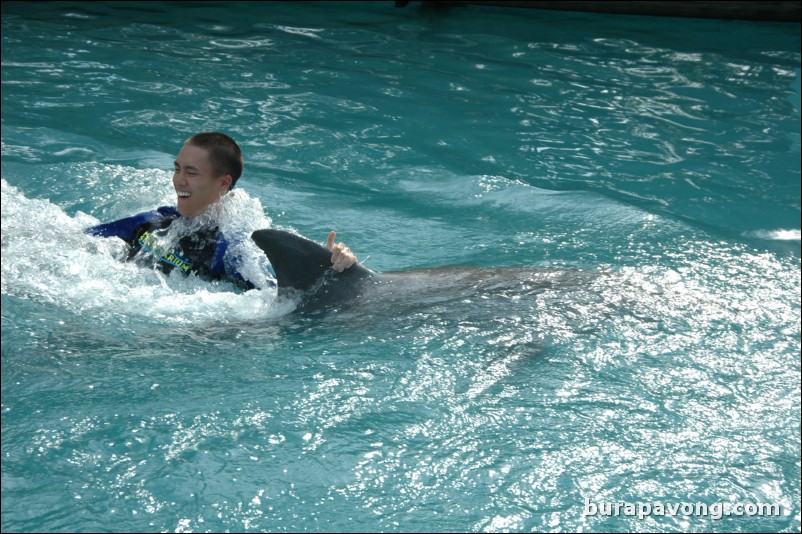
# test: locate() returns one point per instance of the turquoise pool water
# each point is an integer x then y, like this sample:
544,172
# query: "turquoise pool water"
628,188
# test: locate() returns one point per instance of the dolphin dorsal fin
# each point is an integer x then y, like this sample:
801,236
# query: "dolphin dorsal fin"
302,264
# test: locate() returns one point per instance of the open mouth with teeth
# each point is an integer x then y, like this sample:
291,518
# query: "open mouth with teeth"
183,194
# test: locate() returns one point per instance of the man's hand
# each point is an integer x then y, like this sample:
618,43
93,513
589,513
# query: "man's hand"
341,256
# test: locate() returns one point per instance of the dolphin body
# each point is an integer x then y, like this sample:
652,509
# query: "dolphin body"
304,273
504,316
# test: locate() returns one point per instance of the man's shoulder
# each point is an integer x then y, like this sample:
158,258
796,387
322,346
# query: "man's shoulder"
166,211
126,228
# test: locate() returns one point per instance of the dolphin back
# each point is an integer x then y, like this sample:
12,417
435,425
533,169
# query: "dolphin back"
303,265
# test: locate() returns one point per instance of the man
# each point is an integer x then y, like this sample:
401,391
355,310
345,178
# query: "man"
206,169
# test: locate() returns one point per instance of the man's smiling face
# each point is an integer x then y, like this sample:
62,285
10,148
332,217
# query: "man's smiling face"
196,181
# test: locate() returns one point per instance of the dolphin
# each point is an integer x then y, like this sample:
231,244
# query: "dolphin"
304,273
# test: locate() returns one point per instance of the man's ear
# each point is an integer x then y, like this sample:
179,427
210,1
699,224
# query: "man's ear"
227,181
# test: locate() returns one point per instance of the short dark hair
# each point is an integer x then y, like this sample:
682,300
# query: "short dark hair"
224,153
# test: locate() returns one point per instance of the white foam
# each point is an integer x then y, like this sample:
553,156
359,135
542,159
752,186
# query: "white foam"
775,235
47,258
